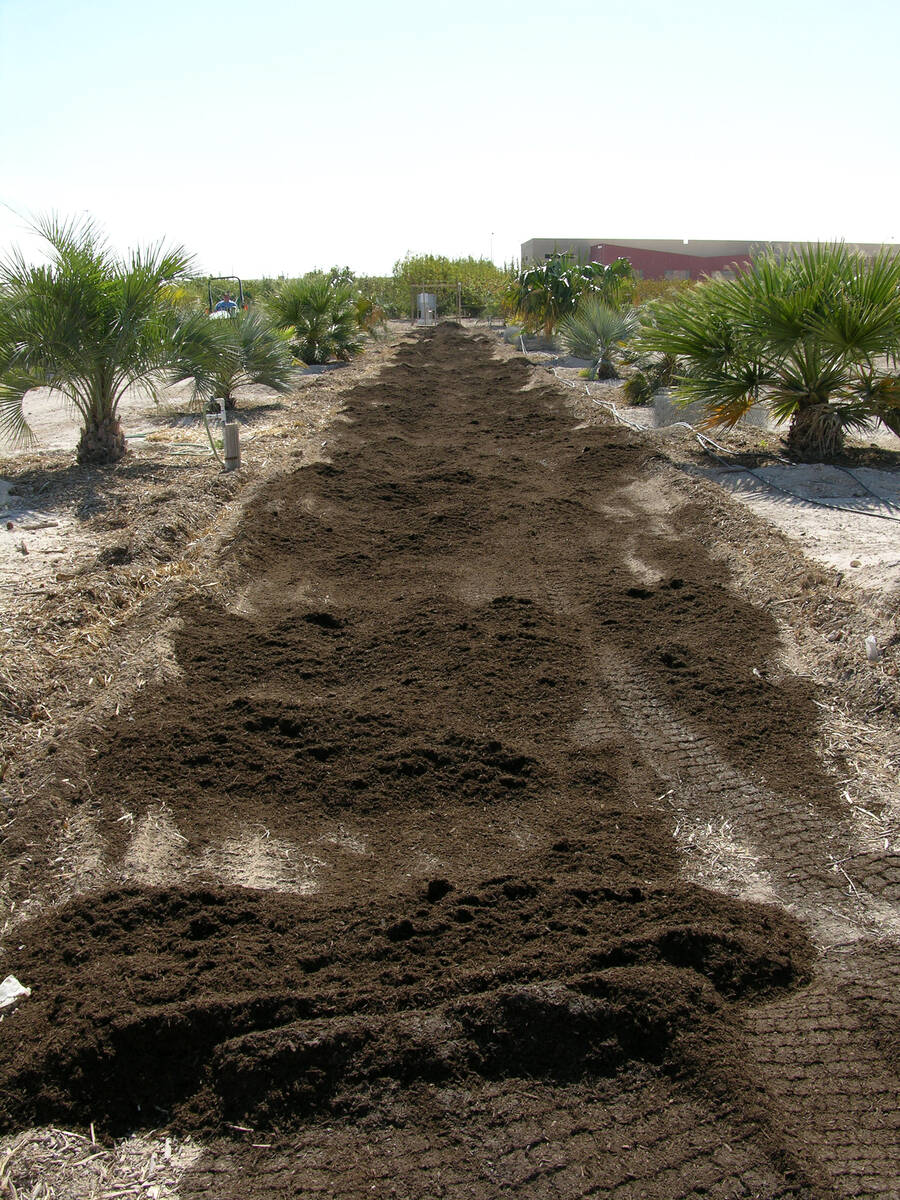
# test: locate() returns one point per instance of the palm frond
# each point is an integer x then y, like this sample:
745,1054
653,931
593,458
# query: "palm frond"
13,425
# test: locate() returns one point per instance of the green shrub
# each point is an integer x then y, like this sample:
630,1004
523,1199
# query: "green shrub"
595,332
482,284
645,290
638,388
321,317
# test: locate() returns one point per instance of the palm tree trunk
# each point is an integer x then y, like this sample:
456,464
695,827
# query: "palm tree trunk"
102,441
816,433
605,368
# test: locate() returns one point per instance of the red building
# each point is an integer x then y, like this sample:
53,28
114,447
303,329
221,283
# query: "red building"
668,258
664,259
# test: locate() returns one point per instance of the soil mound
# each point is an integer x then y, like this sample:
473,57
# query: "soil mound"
433,697
233,1005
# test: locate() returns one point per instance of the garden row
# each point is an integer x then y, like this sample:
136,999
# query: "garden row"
815,334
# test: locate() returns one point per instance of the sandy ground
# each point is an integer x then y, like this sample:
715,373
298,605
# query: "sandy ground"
55,426
846,518
36,538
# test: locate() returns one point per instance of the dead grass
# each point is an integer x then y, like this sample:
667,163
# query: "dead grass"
56,1164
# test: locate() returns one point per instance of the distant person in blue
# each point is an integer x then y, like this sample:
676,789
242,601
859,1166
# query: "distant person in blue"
226,304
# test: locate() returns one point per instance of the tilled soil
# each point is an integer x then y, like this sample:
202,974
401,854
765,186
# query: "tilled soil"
401,910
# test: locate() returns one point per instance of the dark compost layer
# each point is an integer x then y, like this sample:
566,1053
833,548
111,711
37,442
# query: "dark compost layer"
508,976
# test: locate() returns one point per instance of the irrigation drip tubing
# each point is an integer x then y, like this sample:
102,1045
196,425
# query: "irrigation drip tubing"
706,442
188,448
865,486
775,487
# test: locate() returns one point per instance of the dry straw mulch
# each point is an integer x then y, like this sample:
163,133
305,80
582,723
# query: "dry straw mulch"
56,1164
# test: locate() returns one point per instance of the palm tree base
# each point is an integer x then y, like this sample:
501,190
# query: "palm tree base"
605,370
816,433
101,442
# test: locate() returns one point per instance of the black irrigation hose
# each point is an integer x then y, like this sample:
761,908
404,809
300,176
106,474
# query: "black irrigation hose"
858,512
866,488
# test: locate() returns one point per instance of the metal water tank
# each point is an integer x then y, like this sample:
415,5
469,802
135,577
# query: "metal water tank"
426,306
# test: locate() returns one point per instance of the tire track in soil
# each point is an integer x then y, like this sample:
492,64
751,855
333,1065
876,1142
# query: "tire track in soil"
469,657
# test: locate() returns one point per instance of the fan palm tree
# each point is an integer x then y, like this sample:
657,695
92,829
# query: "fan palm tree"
90,326
815,335
595,331
230,354
320,316
609,283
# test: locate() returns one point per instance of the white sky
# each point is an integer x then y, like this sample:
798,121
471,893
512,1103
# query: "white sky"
271,137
